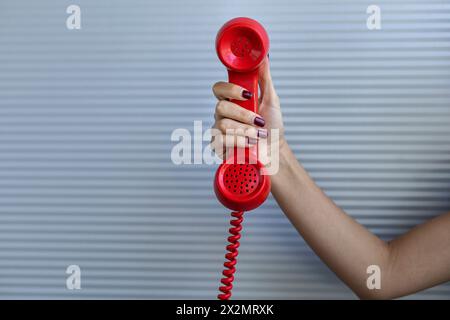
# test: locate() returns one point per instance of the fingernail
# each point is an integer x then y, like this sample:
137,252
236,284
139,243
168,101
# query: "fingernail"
251,140
247,94
268,57
259,121
262,133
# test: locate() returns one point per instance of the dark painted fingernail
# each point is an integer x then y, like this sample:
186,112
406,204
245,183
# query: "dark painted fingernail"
252,141
262,133
247,94
268,57
259,121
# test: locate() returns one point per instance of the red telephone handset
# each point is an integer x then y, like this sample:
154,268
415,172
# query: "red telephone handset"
242,45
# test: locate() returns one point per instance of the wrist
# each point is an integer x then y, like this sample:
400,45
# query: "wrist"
290,171
284,161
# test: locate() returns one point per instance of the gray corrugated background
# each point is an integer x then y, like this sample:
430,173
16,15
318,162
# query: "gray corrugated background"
86,118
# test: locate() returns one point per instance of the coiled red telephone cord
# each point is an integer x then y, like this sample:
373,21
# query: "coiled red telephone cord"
231,256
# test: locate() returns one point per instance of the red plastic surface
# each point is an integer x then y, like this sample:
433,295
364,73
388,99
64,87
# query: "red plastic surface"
242,186
241,45
240,182
231,256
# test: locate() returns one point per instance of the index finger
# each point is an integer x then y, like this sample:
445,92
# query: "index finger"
225,90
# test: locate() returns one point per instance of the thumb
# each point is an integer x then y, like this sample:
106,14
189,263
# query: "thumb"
268,93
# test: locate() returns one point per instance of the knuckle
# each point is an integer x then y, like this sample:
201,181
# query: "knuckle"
220,125
220,107
223,125
215,132
216,86
217,141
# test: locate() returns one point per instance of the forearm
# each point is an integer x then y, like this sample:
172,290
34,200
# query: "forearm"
412,262
344,245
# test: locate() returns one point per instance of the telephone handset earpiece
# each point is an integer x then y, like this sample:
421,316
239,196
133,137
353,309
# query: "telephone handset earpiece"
240,182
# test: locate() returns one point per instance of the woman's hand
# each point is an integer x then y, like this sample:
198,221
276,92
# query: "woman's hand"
246,128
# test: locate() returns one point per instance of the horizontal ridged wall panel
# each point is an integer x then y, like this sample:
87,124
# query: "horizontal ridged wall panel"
86,118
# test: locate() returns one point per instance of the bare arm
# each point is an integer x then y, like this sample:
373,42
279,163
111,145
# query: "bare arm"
415,261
